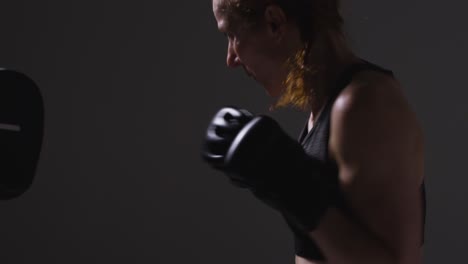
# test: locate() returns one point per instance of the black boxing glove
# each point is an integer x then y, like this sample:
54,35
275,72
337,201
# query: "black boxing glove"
278,171
222,130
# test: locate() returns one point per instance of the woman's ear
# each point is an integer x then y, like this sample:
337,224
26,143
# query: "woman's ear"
276,21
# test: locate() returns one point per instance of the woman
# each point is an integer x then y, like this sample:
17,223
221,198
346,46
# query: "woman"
361,130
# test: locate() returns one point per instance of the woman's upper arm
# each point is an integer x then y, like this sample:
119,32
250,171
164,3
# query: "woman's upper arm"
301,260
377,145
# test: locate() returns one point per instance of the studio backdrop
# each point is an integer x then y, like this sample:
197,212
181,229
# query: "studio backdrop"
129,88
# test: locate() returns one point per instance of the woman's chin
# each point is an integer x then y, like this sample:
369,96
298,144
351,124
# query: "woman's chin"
272,91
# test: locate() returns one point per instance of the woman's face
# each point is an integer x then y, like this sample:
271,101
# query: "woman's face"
257,49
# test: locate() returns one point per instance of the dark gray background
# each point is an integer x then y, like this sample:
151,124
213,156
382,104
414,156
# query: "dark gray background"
129,88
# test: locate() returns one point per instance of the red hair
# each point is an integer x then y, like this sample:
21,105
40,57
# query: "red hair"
312,17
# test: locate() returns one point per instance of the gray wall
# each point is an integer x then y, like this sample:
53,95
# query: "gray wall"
129,88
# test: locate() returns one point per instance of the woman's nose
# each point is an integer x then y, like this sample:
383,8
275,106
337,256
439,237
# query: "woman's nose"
232,59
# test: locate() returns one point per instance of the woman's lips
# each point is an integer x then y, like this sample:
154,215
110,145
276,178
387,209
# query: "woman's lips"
250,74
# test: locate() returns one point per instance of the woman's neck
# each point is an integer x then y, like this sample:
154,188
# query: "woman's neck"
330,55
